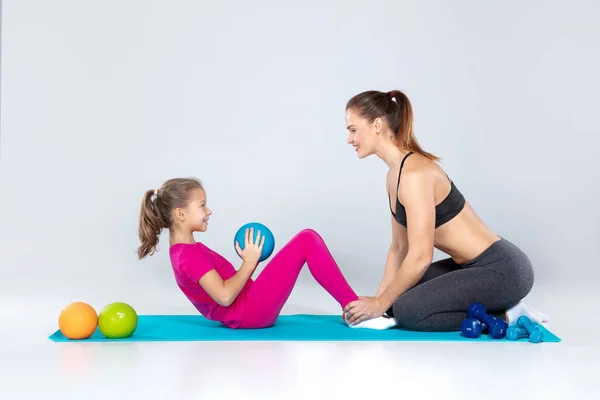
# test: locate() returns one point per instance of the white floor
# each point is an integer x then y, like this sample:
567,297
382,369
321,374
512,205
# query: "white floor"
33,367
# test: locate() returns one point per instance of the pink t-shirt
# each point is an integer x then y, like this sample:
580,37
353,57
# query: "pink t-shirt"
190,262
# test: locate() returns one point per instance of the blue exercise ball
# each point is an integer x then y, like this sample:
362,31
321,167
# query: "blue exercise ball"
269,244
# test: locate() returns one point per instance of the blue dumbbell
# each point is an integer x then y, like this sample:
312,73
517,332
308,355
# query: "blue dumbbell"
535,335
515,333
472,328
496,326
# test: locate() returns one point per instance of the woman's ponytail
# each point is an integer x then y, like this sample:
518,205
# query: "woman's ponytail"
395,107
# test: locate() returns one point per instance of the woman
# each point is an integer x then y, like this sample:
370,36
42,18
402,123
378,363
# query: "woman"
428,211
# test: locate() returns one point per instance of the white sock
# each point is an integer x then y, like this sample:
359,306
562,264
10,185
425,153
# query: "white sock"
521,309
379,323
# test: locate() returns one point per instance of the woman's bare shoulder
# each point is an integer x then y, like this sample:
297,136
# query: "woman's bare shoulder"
421,167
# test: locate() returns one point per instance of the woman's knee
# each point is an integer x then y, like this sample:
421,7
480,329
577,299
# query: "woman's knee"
409,316
421,319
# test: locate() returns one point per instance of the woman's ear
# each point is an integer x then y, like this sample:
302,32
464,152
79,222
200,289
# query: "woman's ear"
378,125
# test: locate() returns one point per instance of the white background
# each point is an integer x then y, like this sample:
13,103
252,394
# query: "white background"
101,101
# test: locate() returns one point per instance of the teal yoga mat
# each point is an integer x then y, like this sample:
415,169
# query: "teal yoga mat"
299,327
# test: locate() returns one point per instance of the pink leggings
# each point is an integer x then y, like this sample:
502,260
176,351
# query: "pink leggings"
266,297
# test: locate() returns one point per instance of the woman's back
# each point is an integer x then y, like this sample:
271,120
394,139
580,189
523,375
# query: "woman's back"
459,232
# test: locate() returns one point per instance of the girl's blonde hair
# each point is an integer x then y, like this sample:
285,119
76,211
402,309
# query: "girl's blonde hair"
157,207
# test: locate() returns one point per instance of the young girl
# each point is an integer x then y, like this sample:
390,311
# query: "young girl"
210,282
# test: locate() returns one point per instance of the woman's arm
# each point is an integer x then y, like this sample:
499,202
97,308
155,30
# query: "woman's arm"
395,256
417,196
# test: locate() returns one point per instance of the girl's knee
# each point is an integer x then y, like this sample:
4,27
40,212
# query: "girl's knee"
309,234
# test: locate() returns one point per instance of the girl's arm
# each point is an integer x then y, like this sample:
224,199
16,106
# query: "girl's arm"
225,292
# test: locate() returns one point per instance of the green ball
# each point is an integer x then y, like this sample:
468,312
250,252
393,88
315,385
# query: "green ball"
117,320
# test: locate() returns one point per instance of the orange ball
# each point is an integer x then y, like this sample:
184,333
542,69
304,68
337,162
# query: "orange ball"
78,320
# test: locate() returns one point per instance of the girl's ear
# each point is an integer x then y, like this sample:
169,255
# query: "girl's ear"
179,214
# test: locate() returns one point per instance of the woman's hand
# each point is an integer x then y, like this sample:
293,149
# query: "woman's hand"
252,248
363,309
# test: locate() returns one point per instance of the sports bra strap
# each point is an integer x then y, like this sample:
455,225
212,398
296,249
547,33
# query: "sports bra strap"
400,171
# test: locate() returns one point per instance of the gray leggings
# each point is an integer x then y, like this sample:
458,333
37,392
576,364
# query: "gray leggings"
498,278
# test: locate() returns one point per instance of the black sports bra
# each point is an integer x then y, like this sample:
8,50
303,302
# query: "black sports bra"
444,212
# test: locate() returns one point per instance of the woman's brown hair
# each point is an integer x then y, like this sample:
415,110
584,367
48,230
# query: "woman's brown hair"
157,208
395,108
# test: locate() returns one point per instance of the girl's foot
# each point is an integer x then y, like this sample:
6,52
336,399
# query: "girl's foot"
379,323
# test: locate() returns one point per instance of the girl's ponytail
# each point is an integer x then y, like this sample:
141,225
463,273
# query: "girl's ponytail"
150,225
156,214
